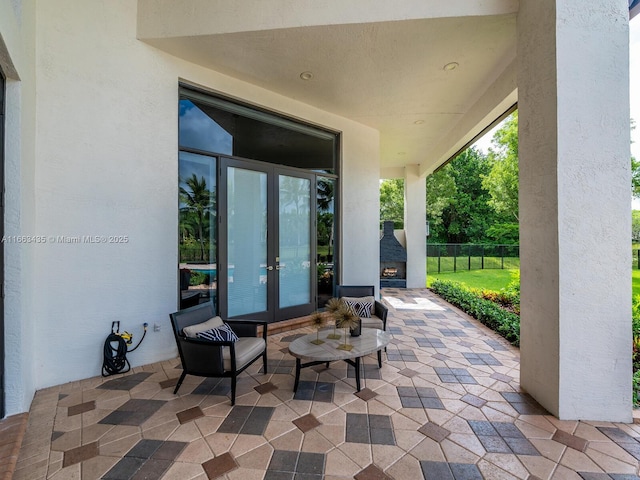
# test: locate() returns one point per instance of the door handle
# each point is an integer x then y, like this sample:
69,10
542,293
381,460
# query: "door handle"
269,267
279,267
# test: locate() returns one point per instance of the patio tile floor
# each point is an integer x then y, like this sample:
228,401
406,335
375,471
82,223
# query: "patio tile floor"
446,404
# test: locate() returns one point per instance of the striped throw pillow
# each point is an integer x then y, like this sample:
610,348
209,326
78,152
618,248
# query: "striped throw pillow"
223,333
361,306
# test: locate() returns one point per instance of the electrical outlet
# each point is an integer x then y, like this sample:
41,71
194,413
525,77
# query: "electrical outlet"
156,327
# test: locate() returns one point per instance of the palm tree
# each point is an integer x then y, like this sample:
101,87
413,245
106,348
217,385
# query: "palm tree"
324,198
196,198
325,194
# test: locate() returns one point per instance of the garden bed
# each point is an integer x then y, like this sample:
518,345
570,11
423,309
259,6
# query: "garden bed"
499,319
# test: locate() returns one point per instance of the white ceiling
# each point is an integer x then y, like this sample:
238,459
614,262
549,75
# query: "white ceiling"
388,75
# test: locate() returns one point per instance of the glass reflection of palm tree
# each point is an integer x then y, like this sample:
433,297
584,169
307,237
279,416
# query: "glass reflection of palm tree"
324,201
199,201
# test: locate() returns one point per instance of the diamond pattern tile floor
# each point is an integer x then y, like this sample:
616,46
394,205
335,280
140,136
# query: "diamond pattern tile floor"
446,404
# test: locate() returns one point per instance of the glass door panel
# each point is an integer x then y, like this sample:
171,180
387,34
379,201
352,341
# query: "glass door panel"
294,227
246,241
325,238
267,229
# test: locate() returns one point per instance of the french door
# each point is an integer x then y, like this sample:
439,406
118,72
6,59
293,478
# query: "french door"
267,240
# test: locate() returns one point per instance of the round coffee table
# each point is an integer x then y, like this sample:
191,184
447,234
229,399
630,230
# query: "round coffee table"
370,340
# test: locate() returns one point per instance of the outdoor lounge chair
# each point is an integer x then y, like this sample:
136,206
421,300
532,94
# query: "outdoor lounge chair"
378,318
217,358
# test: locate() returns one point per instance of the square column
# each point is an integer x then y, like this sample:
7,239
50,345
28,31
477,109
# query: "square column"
415,227
575,202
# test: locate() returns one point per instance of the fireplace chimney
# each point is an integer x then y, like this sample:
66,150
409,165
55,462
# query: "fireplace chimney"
393,259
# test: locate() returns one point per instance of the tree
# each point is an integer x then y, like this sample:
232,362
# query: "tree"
197,200
502,180
635,178
465,214
392,201
635,170
504,233
635,226
441,191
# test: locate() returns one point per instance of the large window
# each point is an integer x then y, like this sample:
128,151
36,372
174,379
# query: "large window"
219,126
212,129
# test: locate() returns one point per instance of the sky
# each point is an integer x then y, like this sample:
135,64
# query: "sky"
634,81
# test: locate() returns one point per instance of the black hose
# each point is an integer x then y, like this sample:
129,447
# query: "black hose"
142,338
115,359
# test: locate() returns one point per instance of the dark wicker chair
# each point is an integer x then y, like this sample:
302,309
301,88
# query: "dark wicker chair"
378,318
206,358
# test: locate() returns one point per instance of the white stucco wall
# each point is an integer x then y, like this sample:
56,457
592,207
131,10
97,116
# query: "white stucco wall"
105,154
575,204
17,23
360,210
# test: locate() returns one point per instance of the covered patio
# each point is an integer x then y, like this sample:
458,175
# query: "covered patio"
447,404
92,147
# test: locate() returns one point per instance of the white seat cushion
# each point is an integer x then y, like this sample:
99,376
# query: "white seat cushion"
373,322
247,348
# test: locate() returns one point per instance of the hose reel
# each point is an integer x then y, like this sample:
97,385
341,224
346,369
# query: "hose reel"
115,350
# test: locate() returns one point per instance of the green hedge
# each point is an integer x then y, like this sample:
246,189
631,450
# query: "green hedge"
496,318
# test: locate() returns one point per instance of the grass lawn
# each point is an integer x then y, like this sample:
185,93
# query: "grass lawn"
635,282
462,263
494,279
489,279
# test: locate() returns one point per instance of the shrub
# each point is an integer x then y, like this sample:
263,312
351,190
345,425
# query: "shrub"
505,298
197,278
490,314
635,325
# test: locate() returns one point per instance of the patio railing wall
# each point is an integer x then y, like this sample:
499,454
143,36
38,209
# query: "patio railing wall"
453,257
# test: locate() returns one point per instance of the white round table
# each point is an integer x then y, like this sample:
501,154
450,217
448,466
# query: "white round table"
370,340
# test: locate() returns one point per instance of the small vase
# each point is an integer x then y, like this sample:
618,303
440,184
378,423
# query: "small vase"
355,332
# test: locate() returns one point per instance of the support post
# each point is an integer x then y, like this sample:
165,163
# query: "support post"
575,204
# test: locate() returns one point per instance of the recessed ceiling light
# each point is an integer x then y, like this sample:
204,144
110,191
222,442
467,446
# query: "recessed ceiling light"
306,75
451,66
419,122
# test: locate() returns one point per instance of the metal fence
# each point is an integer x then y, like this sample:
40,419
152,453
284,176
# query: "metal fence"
452,257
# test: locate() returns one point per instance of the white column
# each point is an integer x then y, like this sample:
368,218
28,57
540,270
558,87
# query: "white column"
415,210
575,202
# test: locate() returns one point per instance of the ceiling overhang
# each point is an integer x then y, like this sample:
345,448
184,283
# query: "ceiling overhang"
375,62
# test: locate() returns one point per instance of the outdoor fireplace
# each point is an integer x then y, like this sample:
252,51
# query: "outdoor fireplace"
393,259
390,272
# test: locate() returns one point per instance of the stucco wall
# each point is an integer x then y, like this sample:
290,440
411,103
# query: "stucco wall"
105,154
17,23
